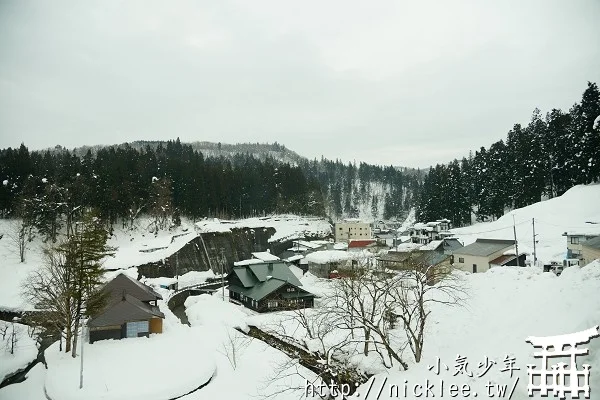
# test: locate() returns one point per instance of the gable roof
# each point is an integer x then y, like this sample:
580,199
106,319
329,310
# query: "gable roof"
259,280
593,243
123,283
125,309
484,247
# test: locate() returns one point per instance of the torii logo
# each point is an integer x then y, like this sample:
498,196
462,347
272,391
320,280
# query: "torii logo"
562,379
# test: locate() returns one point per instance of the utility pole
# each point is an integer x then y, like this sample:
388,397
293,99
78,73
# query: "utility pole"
81,368
534,240
177,270
222,278
516,243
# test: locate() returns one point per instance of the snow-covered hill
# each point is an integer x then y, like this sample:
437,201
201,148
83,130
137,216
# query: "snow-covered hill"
577,210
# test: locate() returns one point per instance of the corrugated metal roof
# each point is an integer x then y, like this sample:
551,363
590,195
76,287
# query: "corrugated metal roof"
484,247
593,243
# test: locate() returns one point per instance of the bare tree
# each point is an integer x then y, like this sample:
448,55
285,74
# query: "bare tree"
3,329
50,289
18,232
234,346
13,337
420,286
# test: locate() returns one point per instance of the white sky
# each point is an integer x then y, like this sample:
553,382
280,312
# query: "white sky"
387,82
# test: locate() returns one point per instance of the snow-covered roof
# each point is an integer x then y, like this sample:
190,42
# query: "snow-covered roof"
408,246
295,258
340,246
265,256
326,256
434,244
309,245
248,262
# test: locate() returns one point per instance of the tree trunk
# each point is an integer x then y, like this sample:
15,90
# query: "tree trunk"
367,338
75,337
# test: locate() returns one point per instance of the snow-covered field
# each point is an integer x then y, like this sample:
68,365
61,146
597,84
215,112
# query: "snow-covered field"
577,210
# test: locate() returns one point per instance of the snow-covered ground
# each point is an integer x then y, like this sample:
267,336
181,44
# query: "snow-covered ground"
25,349
132,368
505,307
577,210
288,227
31,389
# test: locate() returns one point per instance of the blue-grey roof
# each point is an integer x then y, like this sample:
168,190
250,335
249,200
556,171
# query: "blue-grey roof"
259,280
484,247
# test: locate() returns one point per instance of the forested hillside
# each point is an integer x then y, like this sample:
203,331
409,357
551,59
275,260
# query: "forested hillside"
169,179
541,160
348,190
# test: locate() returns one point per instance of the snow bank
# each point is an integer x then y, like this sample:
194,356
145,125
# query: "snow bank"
132,368
207,310
577,210
287,227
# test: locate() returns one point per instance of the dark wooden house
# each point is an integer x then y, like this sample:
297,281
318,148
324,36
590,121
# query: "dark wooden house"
130,311
267,287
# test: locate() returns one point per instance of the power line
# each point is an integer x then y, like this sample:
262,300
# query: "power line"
492,230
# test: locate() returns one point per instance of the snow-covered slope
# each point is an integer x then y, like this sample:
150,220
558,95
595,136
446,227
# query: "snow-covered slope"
577,210
288,227
504,308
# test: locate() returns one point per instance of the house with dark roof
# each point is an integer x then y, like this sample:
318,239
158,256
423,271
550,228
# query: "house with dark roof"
130,311
590,250
267,287
487,253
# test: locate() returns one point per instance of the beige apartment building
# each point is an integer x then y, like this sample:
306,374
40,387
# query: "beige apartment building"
352,229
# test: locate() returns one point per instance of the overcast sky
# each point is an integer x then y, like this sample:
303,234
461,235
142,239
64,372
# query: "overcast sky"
408,83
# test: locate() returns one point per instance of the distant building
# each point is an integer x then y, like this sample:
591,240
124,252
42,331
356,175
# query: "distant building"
362,244
267,287
485,254
590,250
352,229
131,311
574,241
423,233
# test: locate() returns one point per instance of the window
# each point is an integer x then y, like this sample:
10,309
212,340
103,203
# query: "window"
137,327
290,289
474,267
272,304
340,228
461,260
574,239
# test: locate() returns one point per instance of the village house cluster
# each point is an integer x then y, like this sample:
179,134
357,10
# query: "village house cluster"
268,282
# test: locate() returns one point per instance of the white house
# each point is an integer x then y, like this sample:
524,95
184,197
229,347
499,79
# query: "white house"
485,253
